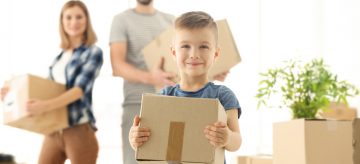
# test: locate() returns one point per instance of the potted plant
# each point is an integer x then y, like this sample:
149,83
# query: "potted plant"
305,89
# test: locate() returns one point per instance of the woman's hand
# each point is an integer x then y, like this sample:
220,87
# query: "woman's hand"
217,134
3,92
36,107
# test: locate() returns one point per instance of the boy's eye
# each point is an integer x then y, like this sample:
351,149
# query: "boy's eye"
185,46
204,47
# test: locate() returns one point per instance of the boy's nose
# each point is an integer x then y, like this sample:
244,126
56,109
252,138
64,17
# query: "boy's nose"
194,57
194,54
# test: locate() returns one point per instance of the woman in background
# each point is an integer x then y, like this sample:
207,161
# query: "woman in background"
76,67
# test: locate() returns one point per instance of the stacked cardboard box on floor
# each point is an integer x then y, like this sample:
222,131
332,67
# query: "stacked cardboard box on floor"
160,47
338,111
177,126
303,141
258,159
24,88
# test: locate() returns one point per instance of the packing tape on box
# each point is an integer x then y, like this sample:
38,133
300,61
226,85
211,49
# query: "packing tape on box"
175,141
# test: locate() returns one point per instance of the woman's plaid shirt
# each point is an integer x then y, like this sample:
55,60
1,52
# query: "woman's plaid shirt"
81,71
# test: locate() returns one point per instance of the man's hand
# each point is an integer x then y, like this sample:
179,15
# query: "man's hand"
160,78
221,76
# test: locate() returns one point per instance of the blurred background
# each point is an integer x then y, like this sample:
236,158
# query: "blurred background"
266,32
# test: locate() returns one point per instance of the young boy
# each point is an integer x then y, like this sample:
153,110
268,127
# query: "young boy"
195,49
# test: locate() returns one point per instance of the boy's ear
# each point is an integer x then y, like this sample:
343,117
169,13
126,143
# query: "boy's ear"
217,53
173,52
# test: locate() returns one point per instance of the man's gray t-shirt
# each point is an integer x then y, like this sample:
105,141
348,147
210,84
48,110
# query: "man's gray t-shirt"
137,30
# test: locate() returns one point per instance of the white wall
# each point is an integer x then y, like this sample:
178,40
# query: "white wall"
266,33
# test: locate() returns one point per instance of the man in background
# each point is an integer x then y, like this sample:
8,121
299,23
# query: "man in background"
131,31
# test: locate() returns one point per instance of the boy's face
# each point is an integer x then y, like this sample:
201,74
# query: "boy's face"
194,51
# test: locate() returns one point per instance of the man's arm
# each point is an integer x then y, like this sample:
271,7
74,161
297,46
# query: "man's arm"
120,67
123,69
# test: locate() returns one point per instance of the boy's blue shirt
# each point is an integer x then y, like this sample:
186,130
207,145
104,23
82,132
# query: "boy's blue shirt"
226,97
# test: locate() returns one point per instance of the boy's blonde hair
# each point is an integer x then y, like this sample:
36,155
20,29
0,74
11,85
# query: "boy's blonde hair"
89,36
197,20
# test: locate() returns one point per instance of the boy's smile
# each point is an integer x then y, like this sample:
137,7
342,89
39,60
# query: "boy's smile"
194,64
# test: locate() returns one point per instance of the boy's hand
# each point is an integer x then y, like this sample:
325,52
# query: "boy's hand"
159,77
138,136
36,107
217,134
